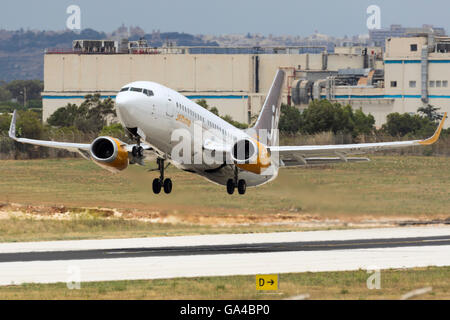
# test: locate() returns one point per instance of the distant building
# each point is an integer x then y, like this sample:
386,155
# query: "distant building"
378,37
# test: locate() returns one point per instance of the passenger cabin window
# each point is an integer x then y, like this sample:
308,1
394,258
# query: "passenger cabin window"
432,84
414,47
393,84
438,83
445,83
124,89
412,84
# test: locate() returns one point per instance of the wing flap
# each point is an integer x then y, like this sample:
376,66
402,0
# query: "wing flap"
293,162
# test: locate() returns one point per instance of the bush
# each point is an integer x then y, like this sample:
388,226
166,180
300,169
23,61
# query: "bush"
405,124
324,116
115,130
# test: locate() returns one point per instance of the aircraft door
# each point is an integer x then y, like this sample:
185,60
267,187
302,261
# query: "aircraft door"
169,106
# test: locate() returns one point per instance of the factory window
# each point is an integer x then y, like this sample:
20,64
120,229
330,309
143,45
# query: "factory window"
412,84
445,83
414,47
393,84
124,89
438,84
431,84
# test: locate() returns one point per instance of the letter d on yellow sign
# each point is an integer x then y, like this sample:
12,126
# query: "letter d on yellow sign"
266,282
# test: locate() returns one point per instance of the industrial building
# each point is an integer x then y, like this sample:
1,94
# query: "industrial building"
411,72
416,72
235,80
378,37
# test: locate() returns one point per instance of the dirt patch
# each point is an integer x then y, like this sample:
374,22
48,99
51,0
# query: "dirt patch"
176,216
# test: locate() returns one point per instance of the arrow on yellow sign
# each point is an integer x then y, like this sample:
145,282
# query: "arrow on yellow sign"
266,282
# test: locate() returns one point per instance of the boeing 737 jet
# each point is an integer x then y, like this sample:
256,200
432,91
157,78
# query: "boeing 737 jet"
180,132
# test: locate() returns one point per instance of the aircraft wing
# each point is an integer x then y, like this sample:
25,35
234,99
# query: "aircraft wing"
302,155
82,148
75,147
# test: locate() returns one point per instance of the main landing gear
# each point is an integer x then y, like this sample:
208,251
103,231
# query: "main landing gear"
236,182
161,183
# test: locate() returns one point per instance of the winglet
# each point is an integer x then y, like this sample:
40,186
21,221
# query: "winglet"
12,127
436,134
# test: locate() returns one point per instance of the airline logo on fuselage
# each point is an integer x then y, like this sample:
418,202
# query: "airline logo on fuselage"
184,120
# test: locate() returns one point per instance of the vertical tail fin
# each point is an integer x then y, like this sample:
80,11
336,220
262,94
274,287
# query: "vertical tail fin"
270,112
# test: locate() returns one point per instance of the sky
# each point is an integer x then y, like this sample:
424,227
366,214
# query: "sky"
277,17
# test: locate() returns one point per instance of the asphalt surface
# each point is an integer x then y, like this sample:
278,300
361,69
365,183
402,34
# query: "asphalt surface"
270,247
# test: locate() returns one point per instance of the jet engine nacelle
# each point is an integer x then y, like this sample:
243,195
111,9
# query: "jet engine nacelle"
250,155
108,153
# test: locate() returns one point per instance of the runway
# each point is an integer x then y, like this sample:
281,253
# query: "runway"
218,255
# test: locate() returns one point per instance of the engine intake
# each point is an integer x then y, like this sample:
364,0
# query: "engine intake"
244,151
251,155
108,152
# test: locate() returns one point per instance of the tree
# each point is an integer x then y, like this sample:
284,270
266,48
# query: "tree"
430,112
320,116
64,117
364,124
324,116
17,89
90,116
5,95
203,103
5,121
290,119
29,125
114,130
405,124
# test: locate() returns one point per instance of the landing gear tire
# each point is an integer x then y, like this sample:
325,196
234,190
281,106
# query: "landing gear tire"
242,186
230,186
161,183
156,186
167,185
137,151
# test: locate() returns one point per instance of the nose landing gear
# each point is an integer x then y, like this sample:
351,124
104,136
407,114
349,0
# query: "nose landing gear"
161,183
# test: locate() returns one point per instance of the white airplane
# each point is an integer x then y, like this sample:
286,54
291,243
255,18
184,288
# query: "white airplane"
152,113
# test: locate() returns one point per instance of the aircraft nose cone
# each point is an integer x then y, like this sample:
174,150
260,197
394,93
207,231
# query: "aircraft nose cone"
122,101
125,108
125,103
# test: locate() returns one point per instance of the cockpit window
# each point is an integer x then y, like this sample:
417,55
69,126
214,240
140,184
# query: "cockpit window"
124,89
148,92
